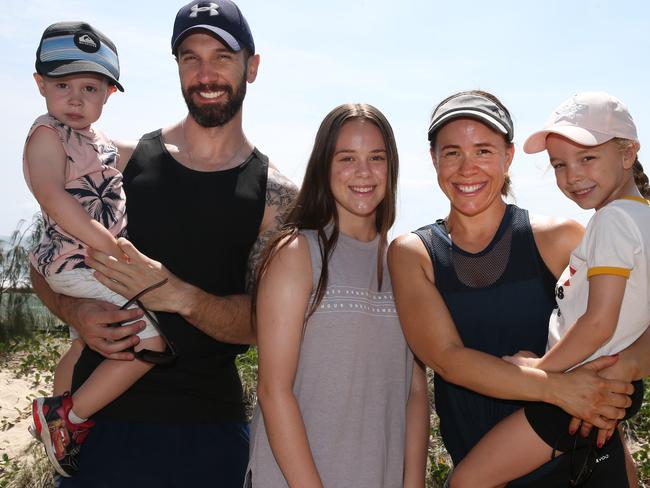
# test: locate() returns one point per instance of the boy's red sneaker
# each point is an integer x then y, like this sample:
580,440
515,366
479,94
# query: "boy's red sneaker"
62,439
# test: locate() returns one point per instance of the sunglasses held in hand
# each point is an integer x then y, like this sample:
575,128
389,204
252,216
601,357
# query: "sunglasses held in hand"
163,358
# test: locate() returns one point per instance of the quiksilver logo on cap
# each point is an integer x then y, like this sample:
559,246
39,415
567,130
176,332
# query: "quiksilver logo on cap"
86,39
213,8
87,42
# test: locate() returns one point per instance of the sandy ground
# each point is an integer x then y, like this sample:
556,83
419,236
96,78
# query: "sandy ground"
15,400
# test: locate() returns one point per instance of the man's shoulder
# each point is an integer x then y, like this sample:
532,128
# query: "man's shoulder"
280,195
280,190
126,148
124,151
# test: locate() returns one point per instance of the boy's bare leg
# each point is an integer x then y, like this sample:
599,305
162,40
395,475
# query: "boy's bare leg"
111,379
65,368
510,450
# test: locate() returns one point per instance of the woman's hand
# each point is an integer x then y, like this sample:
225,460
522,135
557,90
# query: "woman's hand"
130,277
585,394
620,370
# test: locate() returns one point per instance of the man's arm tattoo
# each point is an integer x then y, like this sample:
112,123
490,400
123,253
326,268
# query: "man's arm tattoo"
280,194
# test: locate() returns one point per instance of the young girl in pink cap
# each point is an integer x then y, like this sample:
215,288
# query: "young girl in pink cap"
603,296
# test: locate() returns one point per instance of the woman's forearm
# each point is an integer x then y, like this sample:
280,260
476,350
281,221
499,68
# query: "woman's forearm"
492,376
582,393
288,438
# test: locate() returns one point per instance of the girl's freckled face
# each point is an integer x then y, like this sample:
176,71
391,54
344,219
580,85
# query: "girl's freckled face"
359,170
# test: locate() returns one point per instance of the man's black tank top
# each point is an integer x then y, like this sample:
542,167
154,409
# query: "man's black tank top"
201,225
500,299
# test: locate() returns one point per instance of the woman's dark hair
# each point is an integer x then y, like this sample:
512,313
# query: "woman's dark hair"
315,206
506,188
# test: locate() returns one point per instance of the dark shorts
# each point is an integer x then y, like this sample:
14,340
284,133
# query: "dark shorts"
551,424
608,470
141,455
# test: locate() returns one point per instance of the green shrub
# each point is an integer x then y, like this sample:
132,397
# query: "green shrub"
247,367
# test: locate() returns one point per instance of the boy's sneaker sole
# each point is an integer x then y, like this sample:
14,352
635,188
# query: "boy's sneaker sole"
41,428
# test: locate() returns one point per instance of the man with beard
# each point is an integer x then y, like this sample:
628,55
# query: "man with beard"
202,201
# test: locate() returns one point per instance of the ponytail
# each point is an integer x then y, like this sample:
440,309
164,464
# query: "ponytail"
506,189
641,179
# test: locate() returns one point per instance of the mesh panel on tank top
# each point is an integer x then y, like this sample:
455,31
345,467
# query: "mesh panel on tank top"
476,270
483,269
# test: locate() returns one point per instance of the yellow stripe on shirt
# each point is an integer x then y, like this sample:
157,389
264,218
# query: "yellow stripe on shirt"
636,199
608,270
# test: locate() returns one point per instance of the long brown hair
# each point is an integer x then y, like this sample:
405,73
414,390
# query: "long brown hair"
315,206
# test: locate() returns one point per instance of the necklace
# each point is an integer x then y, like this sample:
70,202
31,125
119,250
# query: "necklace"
186,148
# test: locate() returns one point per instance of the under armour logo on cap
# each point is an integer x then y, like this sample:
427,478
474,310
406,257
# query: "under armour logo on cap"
219,17
213,8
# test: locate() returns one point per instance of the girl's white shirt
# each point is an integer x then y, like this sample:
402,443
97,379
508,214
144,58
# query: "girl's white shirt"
616,241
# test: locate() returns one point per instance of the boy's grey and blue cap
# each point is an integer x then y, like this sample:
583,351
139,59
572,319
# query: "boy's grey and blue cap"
475,107
67,48
220,17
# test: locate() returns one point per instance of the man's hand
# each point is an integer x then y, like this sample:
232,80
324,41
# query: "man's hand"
93,325
91,319
128,278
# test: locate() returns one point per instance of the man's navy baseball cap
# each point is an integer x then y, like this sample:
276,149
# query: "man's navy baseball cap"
68,48
220,17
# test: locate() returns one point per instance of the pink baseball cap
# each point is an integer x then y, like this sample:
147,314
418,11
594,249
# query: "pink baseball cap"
588,118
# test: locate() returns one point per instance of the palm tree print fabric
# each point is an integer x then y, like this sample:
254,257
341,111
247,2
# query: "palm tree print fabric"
93,179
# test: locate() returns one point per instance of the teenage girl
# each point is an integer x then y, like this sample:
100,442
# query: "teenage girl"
341,400
603,296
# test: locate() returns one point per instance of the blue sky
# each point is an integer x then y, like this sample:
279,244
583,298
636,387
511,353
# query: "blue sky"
401,57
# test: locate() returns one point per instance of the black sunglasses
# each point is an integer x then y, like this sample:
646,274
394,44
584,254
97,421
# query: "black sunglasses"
166,357
582,461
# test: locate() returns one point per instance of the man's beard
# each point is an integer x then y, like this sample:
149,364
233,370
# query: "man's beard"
215,115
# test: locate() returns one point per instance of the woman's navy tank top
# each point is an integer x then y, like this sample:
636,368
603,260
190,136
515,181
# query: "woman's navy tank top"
500,299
